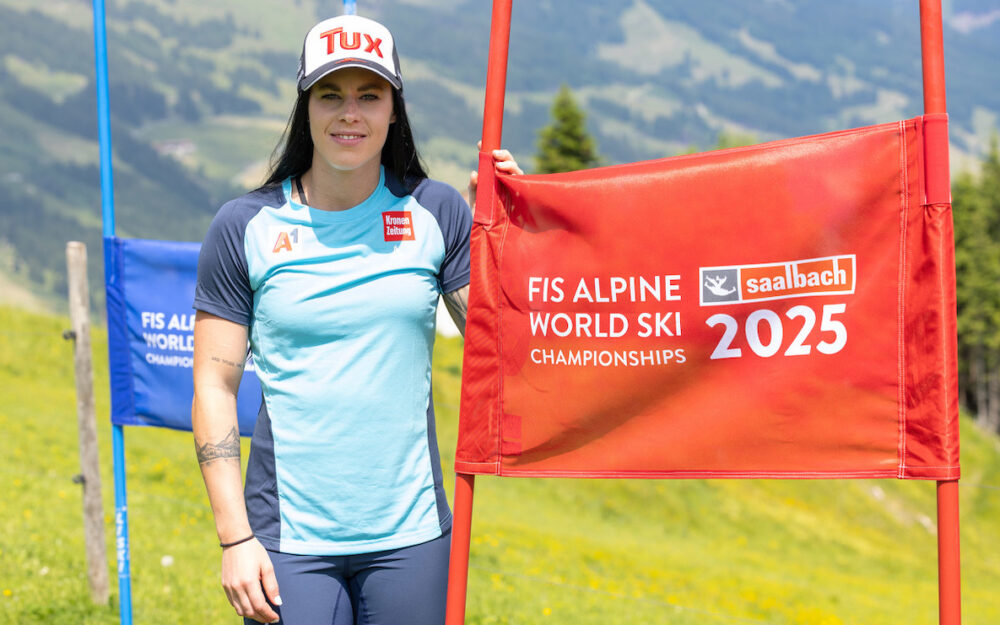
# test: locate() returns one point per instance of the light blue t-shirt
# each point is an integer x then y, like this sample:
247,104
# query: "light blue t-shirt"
340,307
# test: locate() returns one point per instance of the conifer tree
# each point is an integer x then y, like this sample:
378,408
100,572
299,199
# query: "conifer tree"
976,212
565,145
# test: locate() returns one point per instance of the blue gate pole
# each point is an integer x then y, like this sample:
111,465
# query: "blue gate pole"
350,7
108,218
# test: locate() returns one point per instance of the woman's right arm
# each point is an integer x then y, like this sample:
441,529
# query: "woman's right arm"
219,355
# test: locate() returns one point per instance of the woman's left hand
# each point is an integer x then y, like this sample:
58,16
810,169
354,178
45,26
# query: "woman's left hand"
503,163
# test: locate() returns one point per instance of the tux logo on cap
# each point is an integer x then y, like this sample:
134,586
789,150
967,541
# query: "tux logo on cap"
332,39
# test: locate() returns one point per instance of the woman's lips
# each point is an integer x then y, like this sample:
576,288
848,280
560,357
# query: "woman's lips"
347,138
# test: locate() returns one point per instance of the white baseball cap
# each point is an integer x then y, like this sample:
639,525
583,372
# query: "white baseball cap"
348,41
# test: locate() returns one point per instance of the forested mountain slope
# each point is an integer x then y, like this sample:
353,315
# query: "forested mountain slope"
200,92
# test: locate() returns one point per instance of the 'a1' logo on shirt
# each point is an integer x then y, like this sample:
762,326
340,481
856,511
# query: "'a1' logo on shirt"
398,225
285,240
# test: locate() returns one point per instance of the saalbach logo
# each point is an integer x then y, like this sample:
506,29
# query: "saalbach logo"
733,284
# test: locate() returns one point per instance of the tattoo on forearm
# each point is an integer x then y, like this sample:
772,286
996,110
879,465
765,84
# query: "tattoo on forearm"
457,303
458,300
227,448
238,365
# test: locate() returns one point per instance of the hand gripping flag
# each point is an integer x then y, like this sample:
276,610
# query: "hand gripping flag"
781,310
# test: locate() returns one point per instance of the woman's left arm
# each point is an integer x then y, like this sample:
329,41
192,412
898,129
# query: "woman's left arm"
457,302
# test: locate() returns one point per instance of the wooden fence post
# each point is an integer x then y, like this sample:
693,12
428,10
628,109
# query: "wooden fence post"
90,476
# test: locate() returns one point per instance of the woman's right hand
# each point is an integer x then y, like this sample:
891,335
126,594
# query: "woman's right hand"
249,581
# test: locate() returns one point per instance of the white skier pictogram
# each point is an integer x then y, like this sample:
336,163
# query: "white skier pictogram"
715,286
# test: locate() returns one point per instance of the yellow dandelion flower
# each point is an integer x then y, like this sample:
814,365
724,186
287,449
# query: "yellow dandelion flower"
7,592
547,611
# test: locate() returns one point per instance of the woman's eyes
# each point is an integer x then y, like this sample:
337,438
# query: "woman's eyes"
368,97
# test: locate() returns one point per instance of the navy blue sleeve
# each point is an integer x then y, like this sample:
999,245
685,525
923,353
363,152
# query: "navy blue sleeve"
223,286
455,220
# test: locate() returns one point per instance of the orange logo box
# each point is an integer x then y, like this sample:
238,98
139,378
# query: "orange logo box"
398,225
815,276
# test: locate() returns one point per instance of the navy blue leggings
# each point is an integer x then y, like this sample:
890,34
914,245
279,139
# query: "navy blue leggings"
404,586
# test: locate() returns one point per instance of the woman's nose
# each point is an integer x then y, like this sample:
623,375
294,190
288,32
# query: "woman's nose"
350,109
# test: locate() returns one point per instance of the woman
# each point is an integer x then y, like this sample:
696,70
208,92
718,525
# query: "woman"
332,271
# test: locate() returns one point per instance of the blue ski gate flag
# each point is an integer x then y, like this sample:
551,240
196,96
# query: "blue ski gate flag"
150,289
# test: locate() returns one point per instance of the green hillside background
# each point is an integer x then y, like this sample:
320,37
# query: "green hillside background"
200,92
567,552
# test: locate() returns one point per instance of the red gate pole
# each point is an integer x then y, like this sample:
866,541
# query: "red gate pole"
461,535
461,532
949,560
496,75
938,188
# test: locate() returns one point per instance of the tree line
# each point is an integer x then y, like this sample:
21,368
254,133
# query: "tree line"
566,145
976,212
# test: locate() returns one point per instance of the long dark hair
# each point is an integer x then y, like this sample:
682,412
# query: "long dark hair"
293,154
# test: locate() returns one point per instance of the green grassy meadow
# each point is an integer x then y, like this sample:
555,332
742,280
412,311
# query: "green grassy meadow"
575,552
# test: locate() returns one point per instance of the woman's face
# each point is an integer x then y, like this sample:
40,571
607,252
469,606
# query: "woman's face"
349,115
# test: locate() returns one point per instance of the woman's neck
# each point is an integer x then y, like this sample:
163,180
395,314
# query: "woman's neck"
336,190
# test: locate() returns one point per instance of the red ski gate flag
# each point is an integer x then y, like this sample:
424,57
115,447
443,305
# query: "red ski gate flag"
782,310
